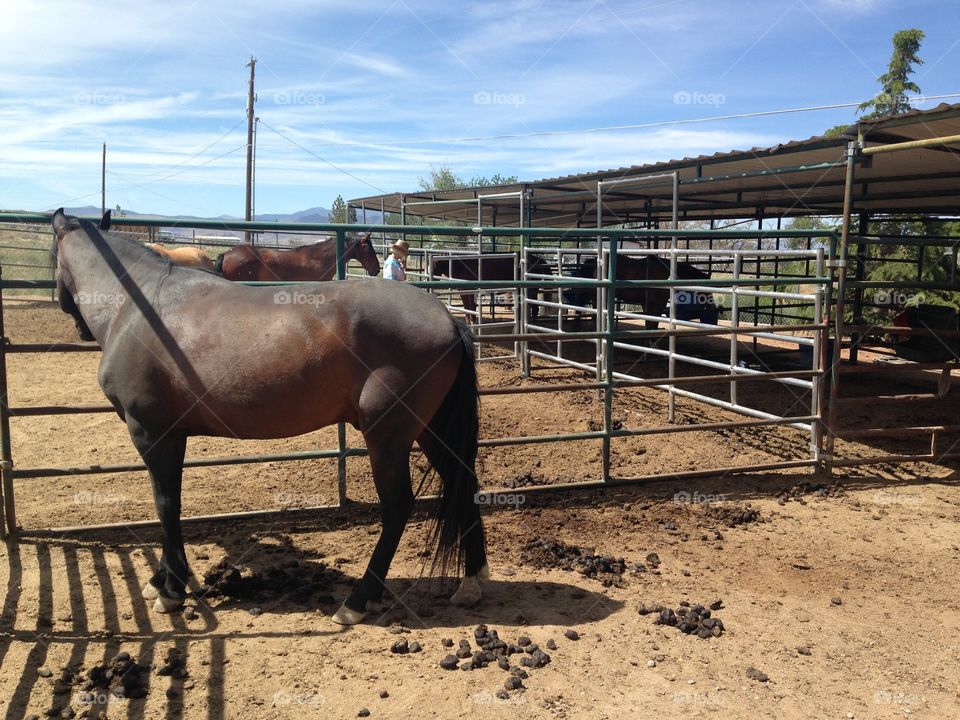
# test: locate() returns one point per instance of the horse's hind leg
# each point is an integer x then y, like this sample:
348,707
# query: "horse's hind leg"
471,538
391,475
163,456
474,560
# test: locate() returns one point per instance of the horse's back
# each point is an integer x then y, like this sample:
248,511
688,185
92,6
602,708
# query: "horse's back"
309,263
304,355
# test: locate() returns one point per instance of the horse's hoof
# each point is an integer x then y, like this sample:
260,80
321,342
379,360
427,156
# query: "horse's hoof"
468,593
150,592
166,605
348,616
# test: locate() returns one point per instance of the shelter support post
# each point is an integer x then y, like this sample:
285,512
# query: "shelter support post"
839,273
863,249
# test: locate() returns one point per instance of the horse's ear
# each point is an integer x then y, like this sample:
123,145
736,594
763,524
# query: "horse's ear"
364,239
61,224
105,221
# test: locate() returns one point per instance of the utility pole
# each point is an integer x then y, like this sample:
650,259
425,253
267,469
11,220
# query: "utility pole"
103,182
251,98
253,180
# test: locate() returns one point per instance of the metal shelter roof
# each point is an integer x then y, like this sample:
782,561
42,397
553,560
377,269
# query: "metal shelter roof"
801,177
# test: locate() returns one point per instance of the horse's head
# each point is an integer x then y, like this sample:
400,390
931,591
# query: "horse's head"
363,251
63,227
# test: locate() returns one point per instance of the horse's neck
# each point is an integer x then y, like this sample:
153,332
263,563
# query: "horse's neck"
328,247
109,273
325,251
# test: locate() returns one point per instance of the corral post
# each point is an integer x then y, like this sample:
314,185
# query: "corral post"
609,324
839,267
862,250
8,515
600,303
341,427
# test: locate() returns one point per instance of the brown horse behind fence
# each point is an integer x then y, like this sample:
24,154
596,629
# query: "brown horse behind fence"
310,263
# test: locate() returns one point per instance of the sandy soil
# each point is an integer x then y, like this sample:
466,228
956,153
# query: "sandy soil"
884,546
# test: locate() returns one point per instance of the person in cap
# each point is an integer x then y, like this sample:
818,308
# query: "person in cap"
395,267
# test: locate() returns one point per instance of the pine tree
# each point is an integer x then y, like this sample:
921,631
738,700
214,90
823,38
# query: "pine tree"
895,83
338,210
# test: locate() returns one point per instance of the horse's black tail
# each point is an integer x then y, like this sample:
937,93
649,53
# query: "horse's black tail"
218,263
452,450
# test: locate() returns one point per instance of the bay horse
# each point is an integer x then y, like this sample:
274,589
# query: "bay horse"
188,353
490,268
309,263
653,300
188,256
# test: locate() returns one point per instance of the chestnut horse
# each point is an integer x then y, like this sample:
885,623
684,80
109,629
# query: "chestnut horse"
189,256
189,353
310,263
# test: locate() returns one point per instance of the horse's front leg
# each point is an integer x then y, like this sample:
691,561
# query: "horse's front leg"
163,455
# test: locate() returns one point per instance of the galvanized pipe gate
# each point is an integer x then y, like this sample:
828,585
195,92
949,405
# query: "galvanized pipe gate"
607,336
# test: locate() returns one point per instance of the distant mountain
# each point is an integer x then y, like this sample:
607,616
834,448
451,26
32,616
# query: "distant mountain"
85,210
315,214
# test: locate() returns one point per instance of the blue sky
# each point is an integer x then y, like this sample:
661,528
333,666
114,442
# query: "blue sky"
361,91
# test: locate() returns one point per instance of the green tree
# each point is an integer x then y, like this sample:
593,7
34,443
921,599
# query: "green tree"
895,83
443,178
340,213
495,179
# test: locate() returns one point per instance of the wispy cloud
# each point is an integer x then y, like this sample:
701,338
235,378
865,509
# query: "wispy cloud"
160,83
854,7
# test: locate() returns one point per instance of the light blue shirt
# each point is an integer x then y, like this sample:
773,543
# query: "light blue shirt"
394,270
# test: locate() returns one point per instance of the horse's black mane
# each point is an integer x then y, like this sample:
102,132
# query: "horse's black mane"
98,235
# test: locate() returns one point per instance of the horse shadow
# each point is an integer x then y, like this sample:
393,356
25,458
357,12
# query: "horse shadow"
286,579
71,603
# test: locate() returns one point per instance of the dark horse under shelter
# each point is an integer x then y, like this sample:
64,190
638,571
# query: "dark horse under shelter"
654,300
474,267
309,263
186,352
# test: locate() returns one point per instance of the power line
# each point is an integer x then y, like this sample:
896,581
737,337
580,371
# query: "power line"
159,178
322,159
610,128
191,167
198,153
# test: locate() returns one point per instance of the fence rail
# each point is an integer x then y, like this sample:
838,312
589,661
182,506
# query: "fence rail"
515,328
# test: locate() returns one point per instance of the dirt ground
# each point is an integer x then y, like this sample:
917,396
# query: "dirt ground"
844,598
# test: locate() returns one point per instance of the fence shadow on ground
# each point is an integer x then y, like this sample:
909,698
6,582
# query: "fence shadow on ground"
75,602
104,612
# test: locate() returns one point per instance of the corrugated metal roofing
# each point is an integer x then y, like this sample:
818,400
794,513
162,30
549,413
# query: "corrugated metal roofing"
800,177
